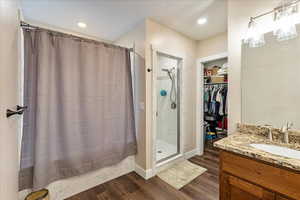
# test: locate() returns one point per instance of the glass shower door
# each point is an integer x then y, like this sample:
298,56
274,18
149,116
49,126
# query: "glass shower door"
167,115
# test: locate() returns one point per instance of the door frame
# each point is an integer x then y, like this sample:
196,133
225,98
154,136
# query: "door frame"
199,98
10,96
155,52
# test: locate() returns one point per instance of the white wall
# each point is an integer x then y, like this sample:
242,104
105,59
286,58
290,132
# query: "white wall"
213,45
9,98
239,13
167,40
137,37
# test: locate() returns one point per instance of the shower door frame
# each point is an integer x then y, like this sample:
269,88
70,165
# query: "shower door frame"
180,141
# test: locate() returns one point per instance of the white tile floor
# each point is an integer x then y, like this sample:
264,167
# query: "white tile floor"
164,150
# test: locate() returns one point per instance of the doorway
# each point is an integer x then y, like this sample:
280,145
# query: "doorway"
211,98
166,107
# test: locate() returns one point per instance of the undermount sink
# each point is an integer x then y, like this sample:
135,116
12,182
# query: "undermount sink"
277,150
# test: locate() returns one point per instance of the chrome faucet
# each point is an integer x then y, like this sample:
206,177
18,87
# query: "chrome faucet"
270,135
285,129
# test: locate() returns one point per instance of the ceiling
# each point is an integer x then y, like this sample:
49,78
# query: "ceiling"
109,19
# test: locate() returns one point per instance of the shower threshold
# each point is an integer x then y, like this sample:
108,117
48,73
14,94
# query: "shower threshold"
165,151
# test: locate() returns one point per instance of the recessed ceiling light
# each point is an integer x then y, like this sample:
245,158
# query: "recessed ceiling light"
202,21
81,24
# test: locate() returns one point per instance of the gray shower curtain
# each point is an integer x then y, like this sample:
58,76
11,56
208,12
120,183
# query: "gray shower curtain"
80,107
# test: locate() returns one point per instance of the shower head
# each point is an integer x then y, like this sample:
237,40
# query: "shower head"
165,70
172,75
168,70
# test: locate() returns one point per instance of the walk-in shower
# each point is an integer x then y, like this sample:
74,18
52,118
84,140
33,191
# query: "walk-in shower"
167,107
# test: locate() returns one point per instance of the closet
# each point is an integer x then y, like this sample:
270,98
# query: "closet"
215,100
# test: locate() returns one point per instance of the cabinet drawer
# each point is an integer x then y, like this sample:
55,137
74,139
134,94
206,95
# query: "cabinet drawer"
240,189
281,198
276,179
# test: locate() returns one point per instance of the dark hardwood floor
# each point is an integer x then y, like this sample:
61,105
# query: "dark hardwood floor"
134,187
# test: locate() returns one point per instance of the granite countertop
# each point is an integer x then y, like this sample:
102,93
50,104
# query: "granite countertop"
240,143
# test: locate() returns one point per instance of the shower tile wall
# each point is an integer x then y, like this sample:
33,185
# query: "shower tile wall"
167,134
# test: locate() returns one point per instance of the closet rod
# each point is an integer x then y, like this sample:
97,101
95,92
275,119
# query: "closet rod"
215,83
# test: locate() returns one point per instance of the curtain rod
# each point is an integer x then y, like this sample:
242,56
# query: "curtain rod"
275,9
133,51
27,26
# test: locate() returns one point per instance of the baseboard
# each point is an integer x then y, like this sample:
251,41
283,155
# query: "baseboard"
192,153
200,152
146,174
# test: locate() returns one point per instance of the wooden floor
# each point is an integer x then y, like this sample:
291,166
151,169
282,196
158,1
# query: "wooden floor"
133,187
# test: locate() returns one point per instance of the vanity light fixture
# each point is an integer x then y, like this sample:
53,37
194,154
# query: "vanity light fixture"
81,25
284,24
254,36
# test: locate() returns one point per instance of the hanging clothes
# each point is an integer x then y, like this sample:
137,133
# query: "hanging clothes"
215,100
206,99
215,105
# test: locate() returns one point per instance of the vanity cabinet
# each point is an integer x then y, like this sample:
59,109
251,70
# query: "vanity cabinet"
238,189
243,178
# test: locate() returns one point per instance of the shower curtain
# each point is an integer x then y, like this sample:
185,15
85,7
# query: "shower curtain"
80,107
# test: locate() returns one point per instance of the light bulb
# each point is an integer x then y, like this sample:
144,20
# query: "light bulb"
81,24
254,36
202,21
285,23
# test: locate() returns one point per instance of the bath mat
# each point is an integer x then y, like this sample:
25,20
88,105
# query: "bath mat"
181,174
